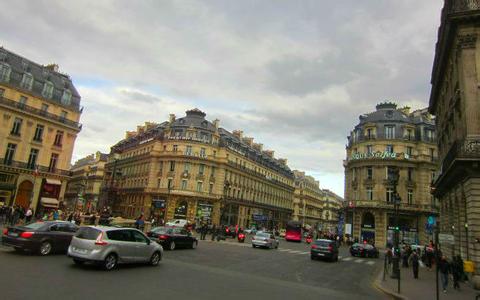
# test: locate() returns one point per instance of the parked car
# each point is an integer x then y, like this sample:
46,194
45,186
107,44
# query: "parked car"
110,246
173,237
177,223
323,248
364,250
40,237
265,239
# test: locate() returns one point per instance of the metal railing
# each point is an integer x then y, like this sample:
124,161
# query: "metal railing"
26,166
39,112
462,149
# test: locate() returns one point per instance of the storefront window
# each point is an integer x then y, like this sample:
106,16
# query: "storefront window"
181,210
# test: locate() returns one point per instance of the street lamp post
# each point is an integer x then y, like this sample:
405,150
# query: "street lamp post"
396,202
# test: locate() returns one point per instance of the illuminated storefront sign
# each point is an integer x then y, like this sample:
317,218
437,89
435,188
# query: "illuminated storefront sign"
379,155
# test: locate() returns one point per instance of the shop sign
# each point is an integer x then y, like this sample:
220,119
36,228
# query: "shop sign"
158,203
204,210
368,226
378,154
257,217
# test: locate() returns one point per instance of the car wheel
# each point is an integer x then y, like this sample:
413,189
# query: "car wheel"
276,246
253,246
336,258
194,244
172,245
45,248
78,262
312,257
155,259
110,262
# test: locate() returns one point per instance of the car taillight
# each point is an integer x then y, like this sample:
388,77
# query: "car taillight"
5,231
26,234
314,246
99,241
163,237
330,248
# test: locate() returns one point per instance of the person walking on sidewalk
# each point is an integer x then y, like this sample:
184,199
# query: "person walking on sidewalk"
414,260
214,231
444,268
456,272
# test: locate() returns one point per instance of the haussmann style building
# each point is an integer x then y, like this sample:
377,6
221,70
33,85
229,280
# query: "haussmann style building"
455,101
191,168
39,122
308,201
84,186
384,140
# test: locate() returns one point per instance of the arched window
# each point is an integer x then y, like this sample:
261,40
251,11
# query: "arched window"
5,71
27,81
47,90
66,97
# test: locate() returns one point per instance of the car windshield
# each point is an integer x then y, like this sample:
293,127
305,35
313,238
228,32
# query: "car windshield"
87,233
323,243
162,230
35,226
263,234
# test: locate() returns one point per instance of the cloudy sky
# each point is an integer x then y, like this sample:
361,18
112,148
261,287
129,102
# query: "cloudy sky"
295,75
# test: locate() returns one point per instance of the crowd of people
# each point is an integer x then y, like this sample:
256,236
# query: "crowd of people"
426,257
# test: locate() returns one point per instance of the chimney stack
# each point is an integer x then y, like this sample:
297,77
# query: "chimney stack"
52,67
238,134
172,118
248,141
270,153
216,123
258,147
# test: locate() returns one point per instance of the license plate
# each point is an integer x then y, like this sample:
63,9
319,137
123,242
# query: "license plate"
81,251
321,254
12,234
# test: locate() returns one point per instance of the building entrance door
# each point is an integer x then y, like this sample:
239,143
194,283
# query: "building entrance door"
24,194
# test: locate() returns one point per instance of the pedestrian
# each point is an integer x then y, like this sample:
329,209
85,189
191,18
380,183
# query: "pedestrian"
414,259
214,232
70,217
456,272
404,255
28,215
139,222
55,214
444,268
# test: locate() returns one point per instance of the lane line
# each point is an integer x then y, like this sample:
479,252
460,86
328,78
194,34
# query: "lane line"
347,259
340,257
303,253
371,263
295,252
359,261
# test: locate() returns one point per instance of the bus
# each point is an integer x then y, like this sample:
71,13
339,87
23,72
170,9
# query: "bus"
294,231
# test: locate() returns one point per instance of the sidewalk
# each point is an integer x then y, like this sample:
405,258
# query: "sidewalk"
424,287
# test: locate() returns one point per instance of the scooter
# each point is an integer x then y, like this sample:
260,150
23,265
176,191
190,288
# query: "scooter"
241,237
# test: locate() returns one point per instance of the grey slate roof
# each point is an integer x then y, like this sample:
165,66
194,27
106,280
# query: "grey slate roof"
19,65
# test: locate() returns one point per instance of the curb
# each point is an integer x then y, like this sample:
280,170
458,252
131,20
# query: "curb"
378,285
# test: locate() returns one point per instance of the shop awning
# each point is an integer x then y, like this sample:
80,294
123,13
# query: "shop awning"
49,202
54,181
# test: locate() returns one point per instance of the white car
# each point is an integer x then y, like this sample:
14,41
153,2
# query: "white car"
265,239
177,223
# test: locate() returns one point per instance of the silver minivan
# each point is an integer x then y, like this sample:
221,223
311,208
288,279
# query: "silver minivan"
110,246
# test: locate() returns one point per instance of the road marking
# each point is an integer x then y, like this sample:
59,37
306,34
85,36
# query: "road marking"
347,259
371,263
284,250
303,253
359,261
295,252
340,257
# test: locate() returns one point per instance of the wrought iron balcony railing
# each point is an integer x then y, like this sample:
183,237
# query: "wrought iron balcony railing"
26,166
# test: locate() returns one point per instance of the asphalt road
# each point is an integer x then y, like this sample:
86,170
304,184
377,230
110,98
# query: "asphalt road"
214,270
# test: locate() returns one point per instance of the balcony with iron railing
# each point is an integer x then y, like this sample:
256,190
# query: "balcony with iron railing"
26,166
389,205
468,149
38,112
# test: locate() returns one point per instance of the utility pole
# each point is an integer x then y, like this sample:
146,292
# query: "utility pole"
437,228
396,202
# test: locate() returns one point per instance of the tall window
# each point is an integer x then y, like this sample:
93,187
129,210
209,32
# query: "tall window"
17,126
63,115
430,135
32,158
210,188
354,174
201,169
10,154
44,109
58,138
66,97
27,81
389,195
369,193
175,148
203,152
369,172
22,102
187,167
369,133
199,186
390,173
409,135
170,184
409,151
172,166
389,132
5,72
213,171
410,196
389,148
369,149
184,184
432,154
38,133
188,150
410,174
53,162
47,91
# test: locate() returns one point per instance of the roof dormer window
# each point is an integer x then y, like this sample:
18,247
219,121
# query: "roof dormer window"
27,81
66,97
5,71
47,90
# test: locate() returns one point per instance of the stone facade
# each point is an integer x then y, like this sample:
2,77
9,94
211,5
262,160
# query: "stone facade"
333,206
308,201
39,115
455,101
83,188
386,139
190,168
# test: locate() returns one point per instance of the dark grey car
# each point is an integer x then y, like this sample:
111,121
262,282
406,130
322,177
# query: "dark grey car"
325,249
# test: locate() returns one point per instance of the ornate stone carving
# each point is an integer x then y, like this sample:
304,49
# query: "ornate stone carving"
466,41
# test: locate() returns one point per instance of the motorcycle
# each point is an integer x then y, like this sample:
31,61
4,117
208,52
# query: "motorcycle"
241,237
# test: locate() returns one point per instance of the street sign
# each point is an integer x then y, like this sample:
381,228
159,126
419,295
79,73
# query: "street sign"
446,238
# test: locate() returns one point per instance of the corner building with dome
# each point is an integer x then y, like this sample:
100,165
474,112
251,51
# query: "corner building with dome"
386,139
191,168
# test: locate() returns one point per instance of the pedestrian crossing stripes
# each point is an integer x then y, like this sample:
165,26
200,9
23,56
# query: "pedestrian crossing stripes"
359,261
371,263
347,259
